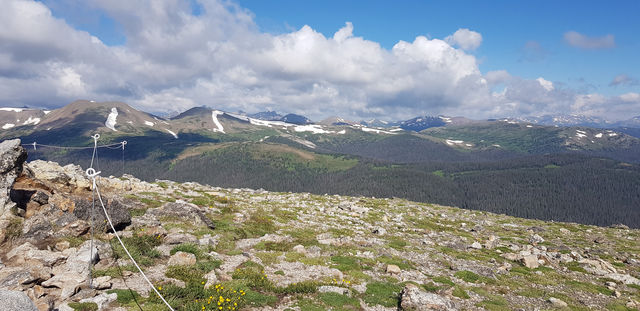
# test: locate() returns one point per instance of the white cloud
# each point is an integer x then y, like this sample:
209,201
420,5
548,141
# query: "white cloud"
579,40
173,60
547,85
466,39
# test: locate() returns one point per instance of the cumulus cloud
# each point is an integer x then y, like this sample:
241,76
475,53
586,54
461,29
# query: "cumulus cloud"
581,41
466,39
624,80
173,60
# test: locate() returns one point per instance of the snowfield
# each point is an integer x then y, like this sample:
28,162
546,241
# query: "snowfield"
214,116
111,119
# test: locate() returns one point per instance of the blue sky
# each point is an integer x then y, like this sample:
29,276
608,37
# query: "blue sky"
357,59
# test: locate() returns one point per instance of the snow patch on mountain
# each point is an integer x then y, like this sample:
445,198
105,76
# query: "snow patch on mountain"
8,126
172,133
267,123
111,119
32,120
149,123
453,142
377,131
314,128
11,109
214,116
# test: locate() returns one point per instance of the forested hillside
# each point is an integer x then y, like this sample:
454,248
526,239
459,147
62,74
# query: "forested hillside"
561,187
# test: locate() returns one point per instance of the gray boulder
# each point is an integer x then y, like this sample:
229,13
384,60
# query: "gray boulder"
12,157
183,210
118,213
415,299
16,301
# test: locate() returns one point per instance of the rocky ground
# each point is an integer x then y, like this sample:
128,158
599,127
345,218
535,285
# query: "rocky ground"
208,248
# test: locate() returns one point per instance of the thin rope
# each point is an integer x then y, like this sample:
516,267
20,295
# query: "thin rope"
93,206
34,144
91,173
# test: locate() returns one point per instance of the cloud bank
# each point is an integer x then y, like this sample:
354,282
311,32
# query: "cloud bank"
174,59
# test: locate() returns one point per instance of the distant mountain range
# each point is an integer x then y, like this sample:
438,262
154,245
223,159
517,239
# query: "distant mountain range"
514,166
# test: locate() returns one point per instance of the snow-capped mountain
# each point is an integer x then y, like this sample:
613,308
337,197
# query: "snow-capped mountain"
12,117
267,116
379,123
418,124
336,121
567,120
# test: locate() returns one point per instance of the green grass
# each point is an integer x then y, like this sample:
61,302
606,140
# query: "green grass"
467,276
589,287
140,247
305,287
443,280
382,293
575,266
83,306
459,292
397,243
195,296
192,274
345,263
339,302
125,296
257,299
494,303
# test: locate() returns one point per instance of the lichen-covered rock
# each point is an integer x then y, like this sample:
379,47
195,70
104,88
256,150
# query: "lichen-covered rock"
414,299
184,211
72,176
16,301
118,213
182,259
12,157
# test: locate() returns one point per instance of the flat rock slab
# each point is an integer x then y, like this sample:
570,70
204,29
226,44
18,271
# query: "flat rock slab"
16,301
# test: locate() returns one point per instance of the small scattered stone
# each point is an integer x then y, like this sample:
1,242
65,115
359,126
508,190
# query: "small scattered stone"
380,231
564,231
180,238
334,289
530,261
182,259
476,245
536,239
557,303
103,282
393,269
62,245
211,278
299,249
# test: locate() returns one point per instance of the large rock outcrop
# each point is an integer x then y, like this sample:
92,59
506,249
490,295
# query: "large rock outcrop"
12,157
